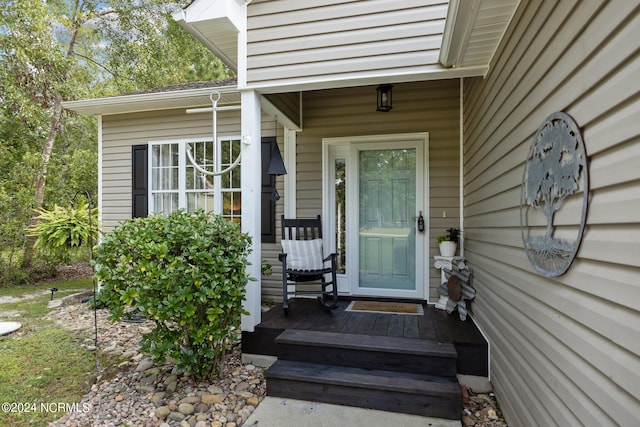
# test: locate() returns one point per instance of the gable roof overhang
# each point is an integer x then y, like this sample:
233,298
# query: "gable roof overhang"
473,30
216,24
190,95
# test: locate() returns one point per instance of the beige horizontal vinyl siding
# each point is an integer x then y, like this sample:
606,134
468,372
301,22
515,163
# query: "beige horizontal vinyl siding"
121,132
290,40
565,351
431,107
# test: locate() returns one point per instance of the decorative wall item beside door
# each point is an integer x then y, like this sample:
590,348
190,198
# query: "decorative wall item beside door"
555,182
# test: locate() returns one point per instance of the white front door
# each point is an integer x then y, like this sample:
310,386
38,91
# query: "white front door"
375,191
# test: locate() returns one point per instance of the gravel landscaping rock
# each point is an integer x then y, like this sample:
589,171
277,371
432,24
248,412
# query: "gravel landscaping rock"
481,410
137,393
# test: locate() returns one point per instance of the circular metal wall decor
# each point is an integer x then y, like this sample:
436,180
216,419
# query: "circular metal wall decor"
554,195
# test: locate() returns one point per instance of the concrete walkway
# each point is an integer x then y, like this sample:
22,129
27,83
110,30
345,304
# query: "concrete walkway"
281,412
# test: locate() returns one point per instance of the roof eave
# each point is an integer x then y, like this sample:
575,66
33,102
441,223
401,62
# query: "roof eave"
224,56
209,22
450,48
123,104
465,22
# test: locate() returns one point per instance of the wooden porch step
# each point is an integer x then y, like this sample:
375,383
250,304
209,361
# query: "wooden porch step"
368,352
394,391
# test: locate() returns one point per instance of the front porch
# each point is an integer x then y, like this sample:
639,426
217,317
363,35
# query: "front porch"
396,362
434,325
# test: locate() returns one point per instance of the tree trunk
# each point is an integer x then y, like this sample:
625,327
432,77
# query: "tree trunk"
549,211
41,177
54,127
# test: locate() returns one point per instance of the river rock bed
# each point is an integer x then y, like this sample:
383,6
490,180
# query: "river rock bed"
481,410
131,390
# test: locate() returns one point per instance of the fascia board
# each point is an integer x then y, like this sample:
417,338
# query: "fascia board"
146,101
435,72
456,27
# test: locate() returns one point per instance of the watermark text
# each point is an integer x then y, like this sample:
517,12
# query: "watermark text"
49,407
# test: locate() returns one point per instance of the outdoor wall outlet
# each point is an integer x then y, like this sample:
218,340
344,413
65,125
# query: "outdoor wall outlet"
444,214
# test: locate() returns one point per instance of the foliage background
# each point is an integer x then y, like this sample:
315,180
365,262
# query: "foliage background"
58,50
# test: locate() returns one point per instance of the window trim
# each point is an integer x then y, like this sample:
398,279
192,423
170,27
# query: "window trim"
269,233
217,189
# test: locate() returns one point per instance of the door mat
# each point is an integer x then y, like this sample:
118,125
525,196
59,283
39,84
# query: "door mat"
386,307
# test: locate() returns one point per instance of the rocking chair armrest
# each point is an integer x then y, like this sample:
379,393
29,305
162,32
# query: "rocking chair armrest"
332,257
282,257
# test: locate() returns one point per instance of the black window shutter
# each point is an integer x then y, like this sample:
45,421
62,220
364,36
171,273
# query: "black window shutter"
268,186
139,187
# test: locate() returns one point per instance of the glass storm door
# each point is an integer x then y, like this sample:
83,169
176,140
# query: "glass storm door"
375,189
387,210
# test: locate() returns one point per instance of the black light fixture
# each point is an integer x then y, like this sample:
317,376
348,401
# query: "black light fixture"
276,164
385,102
276,167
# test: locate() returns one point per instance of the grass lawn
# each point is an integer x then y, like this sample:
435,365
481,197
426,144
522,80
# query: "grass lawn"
42,364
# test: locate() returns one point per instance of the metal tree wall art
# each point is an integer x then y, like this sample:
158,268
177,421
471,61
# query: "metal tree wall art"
555,177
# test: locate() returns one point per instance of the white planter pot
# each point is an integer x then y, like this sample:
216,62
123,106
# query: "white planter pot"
448,248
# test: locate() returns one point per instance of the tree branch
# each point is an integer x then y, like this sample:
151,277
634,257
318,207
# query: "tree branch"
113,73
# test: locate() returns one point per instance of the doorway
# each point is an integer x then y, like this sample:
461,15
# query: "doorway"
375,191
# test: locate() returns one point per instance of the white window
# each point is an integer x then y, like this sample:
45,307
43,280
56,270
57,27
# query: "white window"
177,184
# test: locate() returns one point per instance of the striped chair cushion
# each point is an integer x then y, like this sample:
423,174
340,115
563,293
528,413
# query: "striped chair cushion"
303,254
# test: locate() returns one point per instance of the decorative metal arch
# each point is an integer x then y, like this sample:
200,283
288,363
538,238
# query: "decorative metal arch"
216,158
555,175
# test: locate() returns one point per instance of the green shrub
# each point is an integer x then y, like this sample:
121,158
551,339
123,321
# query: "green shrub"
187,273
62,229
15,213
12,275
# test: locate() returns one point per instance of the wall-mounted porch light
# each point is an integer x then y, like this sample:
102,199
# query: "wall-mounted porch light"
384,98
276,166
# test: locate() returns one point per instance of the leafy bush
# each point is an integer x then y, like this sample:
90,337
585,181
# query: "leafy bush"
11,275
15,213
61,229
186,272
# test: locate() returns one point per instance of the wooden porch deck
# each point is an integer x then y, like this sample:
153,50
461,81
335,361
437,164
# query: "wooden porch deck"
434,325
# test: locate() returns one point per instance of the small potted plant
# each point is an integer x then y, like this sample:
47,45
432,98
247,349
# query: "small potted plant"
266,269
448,243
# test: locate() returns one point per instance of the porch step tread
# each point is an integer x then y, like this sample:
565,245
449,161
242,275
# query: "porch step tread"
379,344
402,392
368,352
364,378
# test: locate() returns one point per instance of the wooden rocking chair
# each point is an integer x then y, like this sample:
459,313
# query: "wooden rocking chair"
303,262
